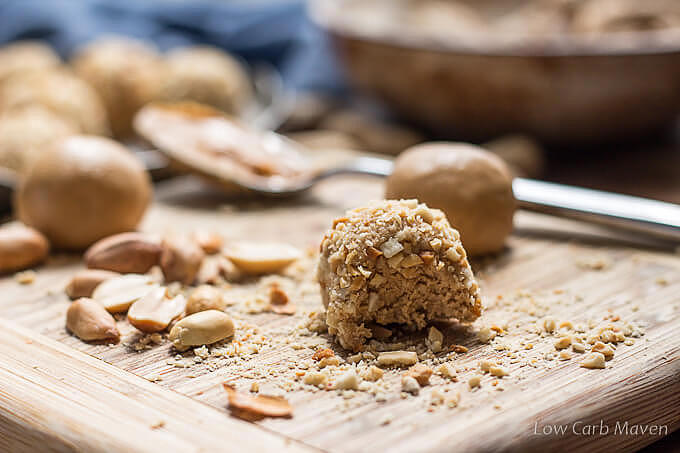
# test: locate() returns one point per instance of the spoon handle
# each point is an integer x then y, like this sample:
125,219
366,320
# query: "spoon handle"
624,212
372,166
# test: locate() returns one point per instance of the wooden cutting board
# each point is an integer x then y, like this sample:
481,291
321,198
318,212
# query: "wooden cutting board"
60,394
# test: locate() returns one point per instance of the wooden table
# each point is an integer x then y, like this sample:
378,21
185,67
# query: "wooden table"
60,394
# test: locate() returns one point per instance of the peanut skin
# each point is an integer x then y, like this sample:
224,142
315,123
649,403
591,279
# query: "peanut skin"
180,260
126,253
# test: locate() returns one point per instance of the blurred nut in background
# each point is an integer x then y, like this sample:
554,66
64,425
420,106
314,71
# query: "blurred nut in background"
603,16
308,110
373,135
524,156
205,297
180,260
24,56
207,75
127,74
21,247
472,186
24,131
60,91
83,189
324,139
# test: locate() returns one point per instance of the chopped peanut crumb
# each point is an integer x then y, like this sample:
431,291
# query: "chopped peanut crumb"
498,371
603,349
562,343
372,374
399,358
277,296
594,360
317,379
549,324
323,354
485,335
485,365
420,373
410,385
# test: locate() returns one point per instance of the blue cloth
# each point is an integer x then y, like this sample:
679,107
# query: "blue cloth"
278,31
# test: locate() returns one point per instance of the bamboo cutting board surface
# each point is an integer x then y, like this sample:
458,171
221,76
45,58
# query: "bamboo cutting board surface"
56,396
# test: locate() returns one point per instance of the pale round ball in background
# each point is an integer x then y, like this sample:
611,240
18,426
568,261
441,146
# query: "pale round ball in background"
207,75
60,91
22,56
25,131
83,188
126,73
524,155
472,186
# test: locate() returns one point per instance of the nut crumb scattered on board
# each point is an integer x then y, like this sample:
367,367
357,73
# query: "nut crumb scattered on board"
25,277
247,406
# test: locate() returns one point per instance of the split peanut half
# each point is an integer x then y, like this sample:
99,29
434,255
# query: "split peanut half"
261,258
117,294
205,327
155,311
84,282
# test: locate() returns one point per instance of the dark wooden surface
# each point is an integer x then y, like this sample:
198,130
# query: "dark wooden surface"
646,170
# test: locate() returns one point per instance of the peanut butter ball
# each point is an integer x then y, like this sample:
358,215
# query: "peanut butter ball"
60,91
472,186
126,73
24,56
24,132
207,75
393,262
83,188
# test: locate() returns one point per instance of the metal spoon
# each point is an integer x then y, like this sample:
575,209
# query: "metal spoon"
624,212
199,143
634,214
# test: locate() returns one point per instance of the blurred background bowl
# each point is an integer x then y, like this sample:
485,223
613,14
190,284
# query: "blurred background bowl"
564,90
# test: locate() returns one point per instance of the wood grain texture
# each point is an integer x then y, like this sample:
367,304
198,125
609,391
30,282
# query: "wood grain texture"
53,398
640,385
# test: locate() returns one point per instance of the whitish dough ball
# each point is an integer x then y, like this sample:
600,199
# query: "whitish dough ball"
60,91
82,189
207,75
24,132
472,186
24,56
393,262
127,74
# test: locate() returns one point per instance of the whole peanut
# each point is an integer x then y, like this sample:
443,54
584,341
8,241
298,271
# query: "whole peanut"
21,247
90,321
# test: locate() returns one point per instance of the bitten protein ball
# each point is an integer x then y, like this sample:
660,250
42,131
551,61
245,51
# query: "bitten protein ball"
471,185
83,188
393,262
